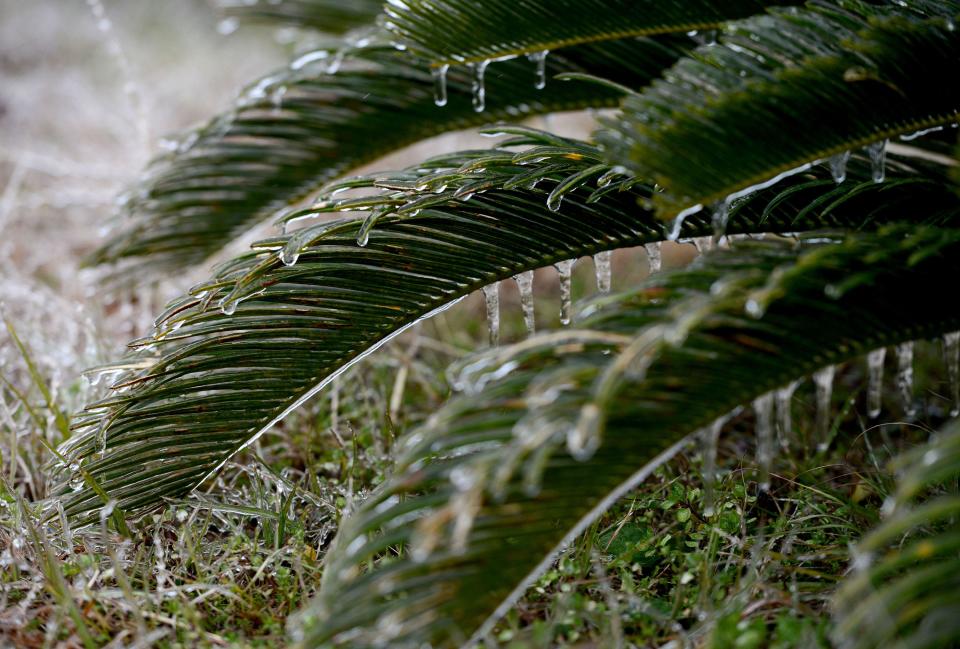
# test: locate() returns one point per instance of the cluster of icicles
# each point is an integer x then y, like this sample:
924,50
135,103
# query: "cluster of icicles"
772,410
478,73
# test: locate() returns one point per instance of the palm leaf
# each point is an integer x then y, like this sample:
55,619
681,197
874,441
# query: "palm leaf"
905,584
248,346
330,16
451,32
783,90
487,492
293,131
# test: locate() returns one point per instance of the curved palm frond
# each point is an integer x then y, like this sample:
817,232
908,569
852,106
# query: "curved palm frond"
293,131
329,16
905,587
451,32
554,429
275,325
783,90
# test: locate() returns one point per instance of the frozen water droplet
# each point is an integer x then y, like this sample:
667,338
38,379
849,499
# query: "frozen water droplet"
709,439
227,26
525,285
440,84
540,60
228,306
363,234
602,268
654,256
491,296
763,407
951,358
290,252
478,89
784,413
554,200
565,270
875,361
823,380
877,152
76,481
838,166
905,377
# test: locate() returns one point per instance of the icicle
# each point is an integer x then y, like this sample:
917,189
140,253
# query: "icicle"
540,59
654,256
290,252
784,415
951,358
565,270
719,218
875,381
710,438
601,264
491,295
479,91
763,407
823,380
838,166
440,84
905,377
878,159
525,285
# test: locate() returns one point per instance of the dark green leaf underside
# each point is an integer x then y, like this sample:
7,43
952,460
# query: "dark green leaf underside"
213,381
463,31
487,490
782,90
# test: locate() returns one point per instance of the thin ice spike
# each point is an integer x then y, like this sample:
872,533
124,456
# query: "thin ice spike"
823,380
878,159
565,271
654,256
479,90
525,284
763,407
875,360
838,166
785,415
905,377
440,84
951,358
601,264
710,437
491,296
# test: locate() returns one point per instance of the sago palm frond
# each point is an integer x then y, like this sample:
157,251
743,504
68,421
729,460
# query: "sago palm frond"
332,111
455,32
905,587
552,430
783,90
275,325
